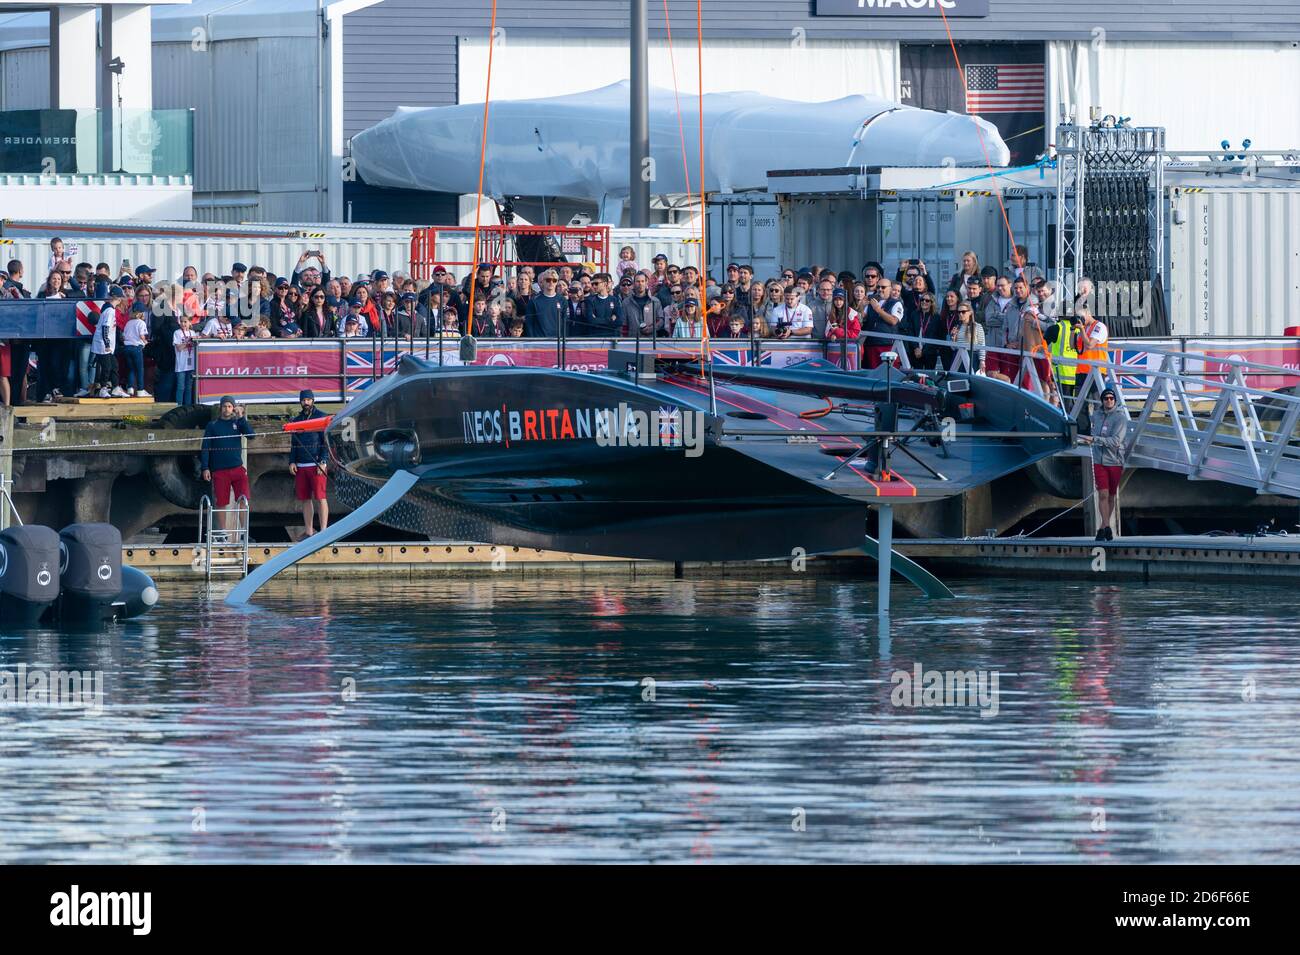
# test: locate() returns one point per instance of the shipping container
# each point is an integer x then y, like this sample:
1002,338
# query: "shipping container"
745,228
936,226
981,229
144,229
1232,260
347,250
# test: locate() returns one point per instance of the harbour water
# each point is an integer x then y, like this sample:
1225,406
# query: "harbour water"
658,720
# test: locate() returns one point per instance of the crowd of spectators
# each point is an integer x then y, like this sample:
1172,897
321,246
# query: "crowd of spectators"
148,328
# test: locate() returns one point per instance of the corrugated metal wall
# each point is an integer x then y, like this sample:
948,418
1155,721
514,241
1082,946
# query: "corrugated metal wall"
403,52
359,252
838,233
1233,261
25,79
256,125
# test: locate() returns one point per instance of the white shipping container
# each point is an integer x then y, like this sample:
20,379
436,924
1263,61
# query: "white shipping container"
170,256
364,250
164,228
1233,261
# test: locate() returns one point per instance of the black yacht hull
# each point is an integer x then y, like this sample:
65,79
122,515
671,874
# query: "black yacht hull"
596,464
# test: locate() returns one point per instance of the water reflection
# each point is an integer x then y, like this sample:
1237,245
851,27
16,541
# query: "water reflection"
505,719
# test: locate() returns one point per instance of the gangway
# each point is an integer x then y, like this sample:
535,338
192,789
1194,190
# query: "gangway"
1198,416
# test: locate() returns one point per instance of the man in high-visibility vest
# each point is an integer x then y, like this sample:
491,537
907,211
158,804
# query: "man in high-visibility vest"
1062,346
1090,340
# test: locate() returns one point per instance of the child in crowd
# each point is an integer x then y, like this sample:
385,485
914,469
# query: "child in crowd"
134,338
183,342
104,347
627,261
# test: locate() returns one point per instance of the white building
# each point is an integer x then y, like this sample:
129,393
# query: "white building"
78,113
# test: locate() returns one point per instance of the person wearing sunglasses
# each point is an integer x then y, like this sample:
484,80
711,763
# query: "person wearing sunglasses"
968,335
1109,431
924,322
547,310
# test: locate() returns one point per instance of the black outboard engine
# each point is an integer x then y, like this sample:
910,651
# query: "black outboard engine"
91,573
29,574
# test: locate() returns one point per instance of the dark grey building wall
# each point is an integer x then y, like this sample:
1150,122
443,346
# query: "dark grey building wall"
403,52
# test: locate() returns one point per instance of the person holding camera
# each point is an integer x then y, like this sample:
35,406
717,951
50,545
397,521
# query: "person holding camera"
884,313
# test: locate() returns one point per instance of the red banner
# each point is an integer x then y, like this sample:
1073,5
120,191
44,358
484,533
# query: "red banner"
275,370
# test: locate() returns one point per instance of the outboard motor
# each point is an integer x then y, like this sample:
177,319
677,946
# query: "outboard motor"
91,573
29,574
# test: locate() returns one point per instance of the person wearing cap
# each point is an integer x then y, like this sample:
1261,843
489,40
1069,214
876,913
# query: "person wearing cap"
690,323
134,338
307,464
842,321
1109,433
658,271
104,347
144,274
221,457
350,325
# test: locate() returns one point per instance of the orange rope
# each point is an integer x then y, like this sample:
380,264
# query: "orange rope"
988,163
482,160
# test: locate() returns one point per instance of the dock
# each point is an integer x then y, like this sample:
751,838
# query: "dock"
463,560
1182,557
1140,559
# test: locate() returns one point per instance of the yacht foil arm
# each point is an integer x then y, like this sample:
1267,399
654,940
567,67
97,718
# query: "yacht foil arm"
388,495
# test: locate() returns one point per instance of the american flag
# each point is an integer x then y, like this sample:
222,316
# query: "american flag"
1005,88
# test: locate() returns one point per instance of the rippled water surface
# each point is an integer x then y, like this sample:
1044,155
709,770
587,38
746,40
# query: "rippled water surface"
515,720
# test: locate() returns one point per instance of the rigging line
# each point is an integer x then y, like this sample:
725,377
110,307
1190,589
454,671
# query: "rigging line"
482,159
988,163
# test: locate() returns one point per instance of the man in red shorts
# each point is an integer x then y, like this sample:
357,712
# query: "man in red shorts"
1109,433
222,457
307,465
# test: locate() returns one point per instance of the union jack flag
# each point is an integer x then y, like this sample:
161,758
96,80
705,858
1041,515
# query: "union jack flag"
739,356
359,366
670,419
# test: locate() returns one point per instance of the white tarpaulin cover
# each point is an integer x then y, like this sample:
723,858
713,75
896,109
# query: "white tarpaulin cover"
577,145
